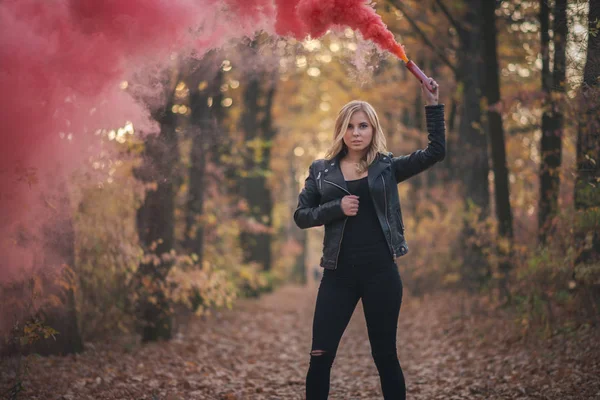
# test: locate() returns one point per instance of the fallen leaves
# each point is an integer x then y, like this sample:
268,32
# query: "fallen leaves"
260,350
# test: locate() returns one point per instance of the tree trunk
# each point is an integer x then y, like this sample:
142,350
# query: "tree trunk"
587,184
257,125
473,140
552,118
156,223
498,149
473,165
450,171
299,235
205,122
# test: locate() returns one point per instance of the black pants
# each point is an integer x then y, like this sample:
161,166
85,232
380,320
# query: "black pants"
379,286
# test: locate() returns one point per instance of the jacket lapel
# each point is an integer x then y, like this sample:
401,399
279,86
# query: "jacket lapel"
333,173
375,169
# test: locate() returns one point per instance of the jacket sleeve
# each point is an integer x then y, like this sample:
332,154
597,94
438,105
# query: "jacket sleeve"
409,165
310,212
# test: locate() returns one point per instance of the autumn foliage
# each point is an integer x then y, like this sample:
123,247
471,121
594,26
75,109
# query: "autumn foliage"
181,216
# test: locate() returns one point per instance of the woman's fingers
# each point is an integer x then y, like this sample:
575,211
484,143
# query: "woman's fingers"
350,205
431,96
434,85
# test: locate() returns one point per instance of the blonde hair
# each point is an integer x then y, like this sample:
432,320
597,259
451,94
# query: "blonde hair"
378,142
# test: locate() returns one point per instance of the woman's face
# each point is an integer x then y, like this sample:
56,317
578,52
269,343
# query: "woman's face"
359,132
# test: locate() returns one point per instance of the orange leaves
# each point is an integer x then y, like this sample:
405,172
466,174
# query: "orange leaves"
35,330
199,288
447,343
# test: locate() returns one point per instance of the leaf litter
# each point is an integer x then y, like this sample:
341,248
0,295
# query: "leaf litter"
260,350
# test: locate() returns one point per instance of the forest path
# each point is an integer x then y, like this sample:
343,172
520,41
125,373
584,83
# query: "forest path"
260,350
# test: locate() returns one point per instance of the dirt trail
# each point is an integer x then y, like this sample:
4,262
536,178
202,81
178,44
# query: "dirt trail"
260,350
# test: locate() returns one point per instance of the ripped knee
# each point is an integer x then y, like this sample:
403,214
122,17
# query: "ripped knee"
321,359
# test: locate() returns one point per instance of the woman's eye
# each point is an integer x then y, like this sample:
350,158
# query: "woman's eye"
363,126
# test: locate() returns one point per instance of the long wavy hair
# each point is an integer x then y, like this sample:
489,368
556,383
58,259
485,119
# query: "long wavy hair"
378,142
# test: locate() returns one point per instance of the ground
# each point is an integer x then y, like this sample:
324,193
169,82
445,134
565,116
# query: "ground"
260,350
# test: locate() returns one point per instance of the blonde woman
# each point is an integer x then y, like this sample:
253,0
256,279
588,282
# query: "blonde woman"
353,193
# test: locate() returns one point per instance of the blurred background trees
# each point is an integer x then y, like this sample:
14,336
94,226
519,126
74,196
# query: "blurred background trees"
198,213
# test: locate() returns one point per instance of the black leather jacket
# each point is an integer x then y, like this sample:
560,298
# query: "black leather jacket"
319,203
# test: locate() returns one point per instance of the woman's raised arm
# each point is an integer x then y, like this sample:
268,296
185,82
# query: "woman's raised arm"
418,161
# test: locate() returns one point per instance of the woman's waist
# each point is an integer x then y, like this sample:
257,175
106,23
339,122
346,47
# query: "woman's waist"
363,238
370,250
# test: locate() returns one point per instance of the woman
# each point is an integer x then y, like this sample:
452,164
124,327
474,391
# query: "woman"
353,193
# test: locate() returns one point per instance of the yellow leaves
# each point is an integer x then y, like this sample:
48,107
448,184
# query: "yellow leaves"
199,288
252,281
452,277
503,245
246,274
211,219
477,126
34,331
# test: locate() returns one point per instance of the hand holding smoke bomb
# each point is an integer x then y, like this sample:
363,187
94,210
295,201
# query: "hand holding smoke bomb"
420,75
429,83
431,97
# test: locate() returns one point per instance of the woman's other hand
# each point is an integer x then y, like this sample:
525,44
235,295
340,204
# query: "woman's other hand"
431,98
350,205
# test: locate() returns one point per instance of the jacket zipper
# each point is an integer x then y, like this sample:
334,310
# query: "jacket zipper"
343,227
337,256
335,184
386,217
318,180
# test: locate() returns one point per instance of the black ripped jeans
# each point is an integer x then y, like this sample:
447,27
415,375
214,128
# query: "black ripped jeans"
379,285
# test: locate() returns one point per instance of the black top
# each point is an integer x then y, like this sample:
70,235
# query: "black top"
363,240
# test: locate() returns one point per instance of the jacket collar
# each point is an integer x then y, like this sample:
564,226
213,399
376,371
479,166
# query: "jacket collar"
377,167
333,172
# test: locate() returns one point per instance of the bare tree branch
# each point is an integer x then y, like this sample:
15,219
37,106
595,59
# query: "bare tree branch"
444,9
412,22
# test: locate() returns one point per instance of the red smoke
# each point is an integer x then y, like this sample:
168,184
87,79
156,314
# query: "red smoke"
63,60
315,17
288,22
